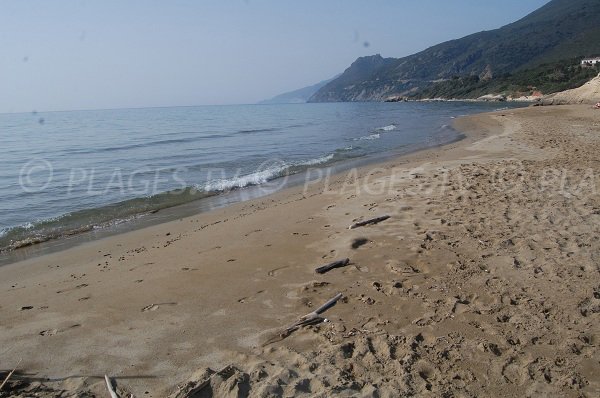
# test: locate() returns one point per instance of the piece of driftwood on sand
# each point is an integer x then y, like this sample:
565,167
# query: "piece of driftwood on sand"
370,221
9,375
111,390
312,318
330,266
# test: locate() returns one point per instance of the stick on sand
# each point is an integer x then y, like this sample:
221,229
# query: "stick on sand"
375,220
10,374
309,319
330,266
314,317
112,392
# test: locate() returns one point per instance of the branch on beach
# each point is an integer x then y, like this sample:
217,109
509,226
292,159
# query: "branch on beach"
10,374
312,318
371,221
110,388
330,266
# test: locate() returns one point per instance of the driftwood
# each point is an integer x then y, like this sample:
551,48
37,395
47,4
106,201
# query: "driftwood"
330,266
312,318
111,390
10,374
371,221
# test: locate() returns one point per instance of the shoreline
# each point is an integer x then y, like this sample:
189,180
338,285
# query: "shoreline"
39,246
466,289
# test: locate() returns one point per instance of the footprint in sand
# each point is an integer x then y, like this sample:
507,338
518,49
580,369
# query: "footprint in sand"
73,288
331,254
244,300
274,272
151,307
212,248
312,286
154,307
52,332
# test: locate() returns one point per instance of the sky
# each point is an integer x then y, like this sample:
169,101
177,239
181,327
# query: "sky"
83,54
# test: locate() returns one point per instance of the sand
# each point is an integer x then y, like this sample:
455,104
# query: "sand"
484,282
589,93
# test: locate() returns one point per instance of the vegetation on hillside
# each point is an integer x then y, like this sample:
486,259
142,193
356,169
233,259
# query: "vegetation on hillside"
545,79
559,30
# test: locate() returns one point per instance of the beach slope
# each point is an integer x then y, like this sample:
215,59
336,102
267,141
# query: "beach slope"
484,281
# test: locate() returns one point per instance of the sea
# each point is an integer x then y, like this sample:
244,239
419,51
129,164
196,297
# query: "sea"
63,174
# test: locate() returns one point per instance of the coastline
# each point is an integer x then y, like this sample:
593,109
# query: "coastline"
56,241
436,298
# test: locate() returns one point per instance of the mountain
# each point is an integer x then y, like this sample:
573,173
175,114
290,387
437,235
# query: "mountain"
559,30
297,96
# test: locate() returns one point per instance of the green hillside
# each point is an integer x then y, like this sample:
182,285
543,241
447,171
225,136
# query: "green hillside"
562,29
546,78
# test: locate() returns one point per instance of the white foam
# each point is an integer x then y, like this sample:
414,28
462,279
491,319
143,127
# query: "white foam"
312,162
369,137
388,128
260,177
257,178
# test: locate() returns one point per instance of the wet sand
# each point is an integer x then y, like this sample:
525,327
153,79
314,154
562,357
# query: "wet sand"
484,282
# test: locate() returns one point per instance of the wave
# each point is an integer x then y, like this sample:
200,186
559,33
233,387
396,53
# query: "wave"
100,217
391,127
84,151
185,140
279,169
105,216
376,134
250,131
256,178
369,137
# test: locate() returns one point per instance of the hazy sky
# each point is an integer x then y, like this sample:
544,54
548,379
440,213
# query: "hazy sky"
59,55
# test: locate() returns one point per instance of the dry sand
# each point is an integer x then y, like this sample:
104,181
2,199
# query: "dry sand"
484,282
589,93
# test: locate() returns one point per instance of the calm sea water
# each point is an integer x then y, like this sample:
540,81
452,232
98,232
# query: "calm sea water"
68,172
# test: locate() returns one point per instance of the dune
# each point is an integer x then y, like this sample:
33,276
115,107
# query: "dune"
589,93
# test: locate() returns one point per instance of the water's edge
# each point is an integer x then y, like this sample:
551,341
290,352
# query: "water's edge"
204,202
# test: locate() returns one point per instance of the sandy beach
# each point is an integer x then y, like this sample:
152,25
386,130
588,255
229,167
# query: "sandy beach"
483,282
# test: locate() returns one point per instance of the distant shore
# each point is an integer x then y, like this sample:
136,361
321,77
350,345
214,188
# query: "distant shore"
483,281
